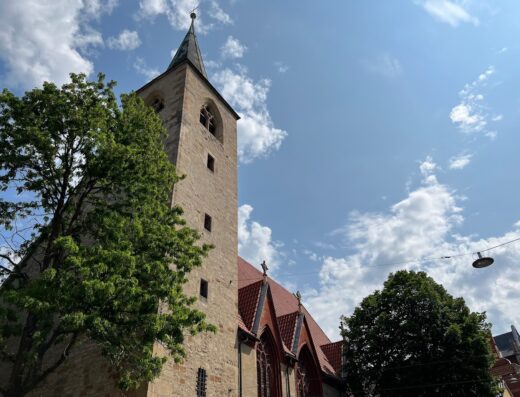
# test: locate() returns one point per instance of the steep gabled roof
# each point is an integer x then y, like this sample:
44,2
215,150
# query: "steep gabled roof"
286,307
189,50
333,353
248,297
287,325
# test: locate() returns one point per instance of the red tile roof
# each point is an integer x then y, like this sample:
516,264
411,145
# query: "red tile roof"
333,353
285,304
248,302
287,325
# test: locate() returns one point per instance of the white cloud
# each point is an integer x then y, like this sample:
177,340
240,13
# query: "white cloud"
427,167
281,67
210,64
255,242
471,114
450,12
141,67
460,161
96,8
233,48
313,256
217,13
384,65
126,41
422,225
45,41
257,135
152,8
178,13
467,117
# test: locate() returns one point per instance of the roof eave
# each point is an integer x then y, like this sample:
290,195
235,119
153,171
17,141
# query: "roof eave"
194,68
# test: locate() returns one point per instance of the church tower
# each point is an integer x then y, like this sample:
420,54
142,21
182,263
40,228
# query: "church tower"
202,143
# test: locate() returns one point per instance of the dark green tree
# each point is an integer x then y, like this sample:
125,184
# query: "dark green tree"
412,338
94,251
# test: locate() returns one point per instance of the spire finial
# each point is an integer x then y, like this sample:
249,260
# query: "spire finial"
265,269
193,15
189,49
299,297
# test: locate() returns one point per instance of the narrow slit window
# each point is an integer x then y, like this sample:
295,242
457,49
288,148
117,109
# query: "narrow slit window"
201,382
207,222
211,162
204,288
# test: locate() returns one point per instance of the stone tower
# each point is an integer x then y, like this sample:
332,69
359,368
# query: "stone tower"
202,143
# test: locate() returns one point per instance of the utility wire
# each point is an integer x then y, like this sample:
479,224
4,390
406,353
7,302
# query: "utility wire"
407,262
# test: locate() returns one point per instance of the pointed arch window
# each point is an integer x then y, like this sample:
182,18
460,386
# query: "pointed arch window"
158,104
267,371
307,378
208,119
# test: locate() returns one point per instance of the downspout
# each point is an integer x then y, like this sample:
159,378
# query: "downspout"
239,369
287,381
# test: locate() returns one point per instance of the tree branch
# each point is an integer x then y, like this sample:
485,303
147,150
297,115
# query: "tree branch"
53,367
5,269
9,260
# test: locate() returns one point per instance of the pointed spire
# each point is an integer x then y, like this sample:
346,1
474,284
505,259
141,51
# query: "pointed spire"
189,50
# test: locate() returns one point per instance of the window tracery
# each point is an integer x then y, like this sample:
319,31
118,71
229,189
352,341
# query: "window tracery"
307,378
207,119
265,367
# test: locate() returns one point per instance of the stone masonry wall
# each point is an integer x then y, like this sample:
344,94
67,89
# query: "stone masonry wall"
203,192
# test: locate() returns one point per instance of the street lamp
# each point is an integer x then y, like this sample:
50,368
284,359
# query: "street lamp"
481,262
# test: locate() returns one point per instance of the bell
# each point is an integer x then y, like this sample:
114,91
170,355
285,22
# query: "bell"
481,262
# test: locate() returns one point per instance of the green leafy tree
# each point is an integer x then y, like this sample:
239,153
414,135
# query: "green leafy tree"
94,250
412,338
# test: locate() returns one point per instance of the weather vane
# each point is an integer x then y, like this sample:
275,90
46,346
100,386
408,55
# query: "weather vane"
193,15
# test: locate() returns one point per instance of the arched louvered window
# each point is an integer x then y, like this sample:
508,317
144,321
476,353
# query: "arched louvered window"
267,368
207,119
158,104
210,119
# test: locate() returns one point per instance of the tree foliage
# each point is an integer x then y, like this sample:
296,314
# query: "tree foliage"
93,249
412,338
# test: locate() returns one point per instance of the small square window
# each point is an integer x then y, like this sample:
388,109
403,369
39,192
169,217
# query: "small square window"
211,162
203,288
207,222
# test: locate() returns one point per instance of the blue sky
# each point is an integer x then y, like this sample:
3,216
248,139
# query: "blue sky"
373,133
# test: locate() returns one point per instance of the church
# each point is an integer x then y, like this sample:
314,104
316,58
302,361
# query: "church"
267,343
